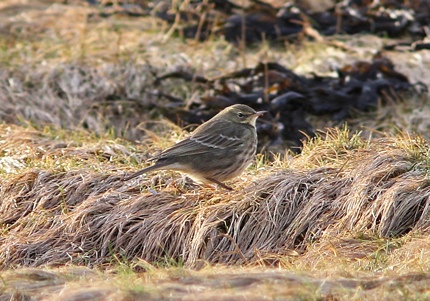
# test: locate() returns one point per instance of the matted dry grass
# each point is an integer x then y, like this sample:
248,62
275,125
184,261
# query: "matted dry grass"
345,220
340,187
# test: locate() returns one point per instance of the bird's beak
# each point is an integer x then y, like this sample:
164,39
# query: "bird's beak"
254,117
259,113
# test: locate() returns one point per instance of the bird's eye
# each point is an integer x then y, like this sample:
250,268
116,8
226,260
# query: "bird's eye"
240,115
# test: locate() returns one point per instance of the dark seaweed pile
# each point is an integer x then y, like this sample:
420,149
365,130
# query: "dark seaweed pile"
203,19
290,98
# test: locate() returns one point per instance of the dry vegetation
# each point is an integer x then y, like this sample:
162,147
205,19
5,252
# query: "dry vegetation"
347,219
359,204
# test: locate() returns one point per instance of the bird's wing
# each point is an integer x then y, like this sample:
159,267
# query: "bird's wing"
202,142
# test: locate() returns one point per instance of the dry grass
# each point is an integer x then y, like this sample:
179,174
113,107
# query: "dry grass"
338,187
348,219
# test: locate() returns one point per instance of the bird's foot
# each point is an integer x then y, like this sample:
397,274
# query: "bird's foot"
220,184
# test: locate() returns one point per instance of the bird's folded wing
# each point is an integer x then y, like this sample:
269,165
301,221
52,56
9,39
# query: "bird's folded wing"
202,143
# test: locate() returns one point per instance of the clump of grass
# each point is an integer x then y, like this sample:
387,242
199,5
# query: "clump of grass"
83,215
329,148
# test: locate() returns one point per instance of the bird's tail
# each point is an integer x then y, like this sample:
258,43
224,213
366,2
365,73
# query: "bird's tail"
141,172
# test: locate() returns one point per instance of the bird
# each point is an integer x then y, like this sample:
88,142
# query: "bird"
216,151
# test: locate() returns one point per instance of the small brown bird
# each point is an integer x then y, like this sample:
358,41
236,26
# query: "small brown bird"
218,150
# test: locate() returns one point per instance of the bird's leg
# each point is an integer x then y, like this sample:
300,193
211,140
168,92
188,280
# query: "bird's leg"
220,184
177,187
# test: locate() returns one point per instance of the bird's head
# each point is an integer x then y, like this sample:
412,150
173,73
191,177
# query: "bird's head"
240,114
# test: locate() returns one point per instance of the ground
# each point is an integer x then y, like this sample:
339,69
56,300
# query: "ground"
346,219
